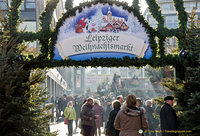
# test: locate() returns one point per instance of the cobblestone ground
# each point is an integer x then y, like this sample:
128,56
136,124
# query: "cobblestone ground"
62,130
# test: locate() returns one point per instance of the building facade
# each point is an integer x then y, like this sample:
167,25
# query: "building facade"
170,13
171,19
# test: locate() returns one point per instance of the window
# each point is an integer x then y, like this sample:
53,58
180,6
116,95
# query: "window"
3,4
198,5
22,6
189,5
171,21
171,7
167,7
29,26
30,4
27,4
164,0
30,0
196,18
152,21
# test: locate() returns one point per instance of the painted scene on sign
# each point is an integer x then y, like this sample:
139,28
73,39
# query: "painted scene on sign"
102,31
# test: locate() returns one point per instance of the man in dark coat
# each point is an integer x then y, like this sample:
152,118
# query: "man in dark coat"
150,118
64,103
108,110
168,118
59,107
77,107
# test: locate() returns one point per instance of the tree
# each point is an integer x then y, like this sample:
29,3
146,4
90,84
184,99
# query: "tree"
22,112
98,18
187,92
157,75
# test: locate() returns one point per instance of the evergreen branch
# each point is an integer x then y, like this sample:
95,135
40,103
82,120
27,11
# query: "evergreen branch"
45,31
156,13
13,16
135,5
182,15
68,4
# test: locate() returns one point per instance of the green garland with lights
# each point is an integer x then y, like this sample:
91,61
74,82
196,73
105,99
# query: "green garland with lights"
47,36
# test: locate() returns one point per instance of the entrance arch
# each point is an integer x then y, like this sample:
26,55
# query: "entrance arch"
155,54
155,40
48,36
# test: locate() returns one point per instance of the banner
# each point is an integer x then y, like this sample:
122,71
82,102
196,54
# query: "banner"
102,31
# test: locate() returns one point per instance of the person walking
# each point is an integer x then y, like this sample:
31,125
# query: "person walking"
108,109
77,108
59,106
99,121
139,104
168,118
150,118
57,110
120,98
130,121
70,113
88,118
110,129
64,103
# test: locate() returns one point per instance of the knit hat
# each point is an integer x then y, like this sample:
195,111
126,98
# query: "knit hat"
168,98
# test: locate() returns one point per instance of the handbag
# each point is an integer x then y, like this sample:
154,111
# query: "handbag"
66,119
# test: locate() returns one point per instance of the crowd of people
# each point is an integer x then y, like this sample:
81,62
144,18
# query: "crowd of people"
119,116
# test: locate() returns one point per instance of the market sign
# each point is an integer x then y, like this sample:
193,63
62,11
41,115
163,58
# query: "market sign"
102,31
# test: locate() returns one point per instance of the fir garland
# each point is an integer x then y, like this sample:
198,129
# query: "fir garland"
69,4
48,37
135,5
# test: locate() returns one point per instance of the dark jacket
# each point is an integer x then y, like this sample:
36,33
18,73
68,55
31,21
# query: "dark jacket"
78,110
150,118
110,129
107,111
168,120
87,112
64,103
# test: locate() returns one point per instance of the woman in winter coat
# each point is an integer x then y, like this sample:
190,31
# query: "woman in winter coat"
88,118
110,129
130,121
99,121
70,113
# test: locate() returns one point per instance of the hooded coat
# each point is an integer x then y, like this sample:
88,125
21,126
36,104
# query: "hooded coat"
128,121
